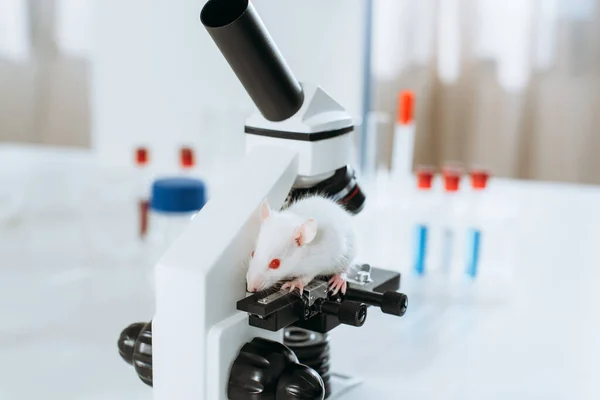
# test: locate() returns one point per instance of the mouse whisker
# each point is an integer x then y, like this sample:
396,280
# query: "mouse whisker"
272,289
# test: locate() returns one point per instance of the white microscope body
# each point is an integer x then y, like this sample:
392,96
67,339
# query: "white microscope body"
300,138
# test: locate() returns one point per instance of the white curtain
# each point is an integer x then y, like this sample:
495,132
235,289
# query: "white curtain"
14,30
73,30
506,84
44,72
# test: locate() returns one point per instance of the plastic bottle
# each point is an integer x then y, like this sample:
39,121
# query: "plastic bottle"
174,203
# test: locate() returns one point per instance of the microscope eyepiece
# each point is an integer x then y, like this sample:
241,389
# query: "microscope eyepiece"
244,41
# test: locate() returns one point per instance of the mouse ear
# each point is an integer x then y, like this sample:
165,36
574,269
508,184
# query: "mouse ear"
265,210
306,232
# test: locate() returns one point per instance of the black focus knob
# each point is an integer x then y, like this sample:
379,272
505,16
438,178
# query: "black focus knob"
394,303
135,347
257,368
268,370
348,312
300,382
127,340
142,354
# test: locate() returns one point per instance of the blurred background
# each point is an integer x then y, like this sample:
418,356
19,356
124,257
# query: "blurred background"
99,98
508,85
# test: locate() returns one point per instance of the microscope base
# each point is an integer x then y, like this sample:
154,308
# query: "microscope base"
342,384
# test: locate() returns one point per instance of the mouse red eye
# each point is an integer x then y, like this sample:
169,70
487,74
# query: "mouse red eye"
274,264
252,255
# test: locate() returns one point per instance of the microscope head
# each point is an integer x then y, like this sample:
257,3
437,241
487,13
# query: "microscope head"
298,116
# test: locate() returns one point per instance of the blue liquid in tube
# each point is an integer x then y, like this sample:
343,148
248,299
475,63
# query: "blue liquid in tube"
474,240
420,248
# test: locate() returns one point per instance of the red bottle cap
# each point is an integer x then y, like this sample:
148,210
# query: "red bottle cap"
406,108
479,179
141,156
451,182
425,177
186,157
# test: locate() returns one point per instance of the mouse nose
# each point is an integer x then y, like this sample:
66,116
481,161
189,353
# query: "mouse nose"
253,286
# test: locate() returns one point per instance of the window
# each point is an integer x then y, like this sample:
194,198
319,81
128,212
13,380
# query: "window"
73,26
14,29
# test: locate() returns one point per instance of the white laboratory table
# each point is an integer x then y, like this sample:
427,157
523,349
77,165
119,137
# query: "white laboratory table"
64,299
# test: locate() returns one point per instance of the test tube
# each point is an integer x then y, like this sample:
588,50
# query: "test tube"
187,160
479,180
452,175
376,122
425,176
404,138
142,159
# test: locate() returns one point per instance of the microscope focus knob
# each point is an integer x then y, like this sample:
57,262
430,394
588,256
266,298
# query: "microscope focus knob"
127,340
348,312
300,382
135,347
390,302
142,354
394,303
265,369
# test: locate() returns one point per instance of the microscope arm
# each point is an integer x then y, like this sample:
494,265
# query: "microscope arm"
201,277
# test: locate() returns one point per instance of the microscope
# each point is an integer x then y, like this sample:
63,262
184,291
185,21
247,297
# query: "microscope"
209,339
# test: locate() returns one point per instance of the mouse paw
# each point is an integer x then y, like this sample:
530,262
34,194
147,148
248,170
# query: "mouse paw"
338,283
295,284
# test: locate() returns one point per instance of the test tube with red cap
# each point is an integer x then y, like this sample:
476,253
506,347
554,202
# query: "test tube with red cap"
404,137
423,210
187,159
452,175
479,181
141,161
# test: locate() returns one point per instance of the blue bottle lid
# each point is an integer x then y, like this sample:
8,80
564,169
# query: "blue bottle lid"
178,195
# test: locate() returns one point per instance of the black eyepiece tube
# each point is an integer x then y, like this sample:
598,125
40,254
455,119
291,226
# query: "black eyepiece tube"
240,34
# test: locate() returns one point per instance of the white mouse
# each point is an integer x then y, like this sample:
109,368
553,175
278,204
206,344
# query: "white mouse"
312,237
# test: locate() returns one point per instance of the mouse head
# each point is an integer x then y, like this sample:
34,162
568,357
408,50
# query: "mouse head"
282,242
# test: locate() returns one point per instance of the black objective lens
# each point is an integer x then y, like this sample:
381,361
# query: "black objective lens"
342,187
